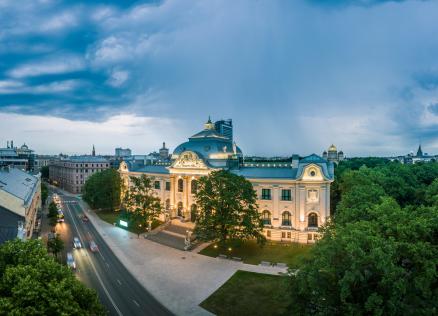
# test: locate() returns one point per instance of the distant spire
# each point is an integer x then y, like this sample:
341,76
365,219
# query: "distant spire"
419,152
94,151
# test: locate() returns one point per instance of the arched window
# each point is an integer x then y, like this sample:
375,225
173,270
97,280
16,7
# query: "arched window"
312,220
194,186
266,217
193,213
167,206
180,209
180,185
285,219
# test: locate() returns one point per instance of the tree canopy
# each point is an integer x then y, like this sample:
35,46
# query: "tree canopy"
32,283
227,208
141,203
379,254
102,190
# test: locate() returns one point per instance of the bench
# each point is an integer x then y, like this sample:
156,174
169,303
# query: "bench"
222,256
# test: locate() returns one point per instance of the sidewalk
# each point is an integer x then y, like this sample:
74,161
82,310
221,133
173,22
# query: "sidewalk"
180,280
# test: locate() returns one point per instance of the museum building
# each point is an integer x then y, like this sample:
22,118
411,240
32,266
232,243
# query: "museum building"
293,195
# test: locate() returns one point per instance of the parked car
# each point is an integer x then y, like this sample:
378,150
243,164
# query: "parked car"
71,261
93,246
77,243
85,218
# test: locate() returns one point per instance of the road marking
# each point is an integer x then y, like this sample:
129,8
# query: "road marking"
135,302
118,281
95,271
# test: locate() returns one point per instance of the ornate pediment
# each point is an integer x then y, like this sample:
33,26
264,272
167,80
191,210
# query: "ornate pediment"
189,160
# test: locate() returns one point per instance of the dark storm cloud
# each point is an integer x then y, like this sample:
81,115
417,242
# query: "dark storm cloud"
295,76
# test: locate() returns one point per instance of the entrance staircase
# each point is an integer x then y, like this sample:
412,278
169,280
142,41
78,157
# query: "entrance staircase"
173,234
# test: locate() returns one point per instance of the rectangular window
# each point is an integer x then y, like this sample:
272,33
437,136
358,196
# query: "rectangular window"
157,185
266,194
167,186
283,235
286,195
288,235
268,233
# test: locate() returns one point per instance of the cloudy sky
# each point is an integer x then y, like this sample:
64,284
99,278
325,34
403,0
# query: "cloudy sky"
295,76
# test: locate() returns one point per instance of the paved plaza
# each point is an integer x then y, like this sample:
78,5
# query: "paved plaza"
180,280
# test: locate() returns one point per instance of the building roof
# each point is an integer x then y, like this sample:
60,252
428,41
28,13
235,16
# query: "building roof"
151,169
266,173
18,183
8,152
86,158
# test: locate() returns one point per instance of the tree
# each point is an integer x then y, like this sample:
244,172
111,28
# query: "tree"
44,193
55,245
141,203
372,266
379,253
103,189
32,283
432,193
45,172
227,208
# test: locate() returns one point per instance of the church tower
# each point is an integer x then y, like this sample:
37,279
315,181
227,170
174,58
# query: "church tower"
419,151
93,153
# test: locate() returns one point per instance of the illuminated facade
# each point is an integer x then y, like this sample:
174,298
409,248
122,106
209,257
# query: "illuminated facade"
293,195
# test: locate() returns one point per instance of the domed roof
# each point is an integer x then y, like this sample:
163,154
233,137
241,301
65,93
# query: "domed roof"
207,144
333,148
24,146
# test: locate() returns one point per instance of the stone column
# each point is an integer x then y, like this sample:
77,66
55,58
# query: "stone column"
275,202
172,195
186,197
302,203
322,204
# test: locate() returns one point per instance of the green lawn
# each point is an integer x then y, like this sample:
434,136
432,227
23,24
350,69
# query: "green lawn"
248,293
290,253
108,216
112,217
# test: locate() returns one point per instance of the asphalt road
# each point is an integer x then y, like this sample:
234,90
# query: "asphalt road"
118,290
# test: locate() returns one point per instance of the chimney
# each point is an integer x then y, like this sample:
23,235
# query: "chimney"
12,144
7,144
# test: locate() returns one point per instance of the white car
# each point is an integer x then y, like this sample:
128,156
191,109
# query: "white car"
71,261
93,246
77,243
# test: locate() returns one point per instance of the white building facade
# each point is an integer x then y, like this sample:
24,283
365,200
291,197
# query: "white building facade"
293,196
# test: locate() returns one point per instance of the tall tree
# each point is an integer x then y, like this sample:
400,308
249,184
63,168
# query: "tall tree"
227,208
44,193
45,172
32,283
379,253
55,245
141,202
102,190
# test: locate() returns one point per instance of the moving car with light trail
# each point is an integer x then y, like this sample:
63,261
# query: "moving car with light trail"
77,243
71,261
93,246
